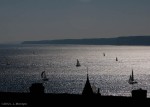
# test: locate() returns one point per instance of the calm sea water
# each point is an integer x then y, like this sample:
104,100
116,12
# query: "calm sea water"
21,65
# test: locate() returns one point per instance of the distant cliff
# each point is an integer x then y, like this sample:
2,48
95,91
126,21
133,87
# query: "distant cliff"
128,40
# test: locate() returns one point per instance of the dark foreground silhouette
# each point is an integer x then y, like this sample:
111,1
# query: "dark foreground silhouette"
37,97
29,99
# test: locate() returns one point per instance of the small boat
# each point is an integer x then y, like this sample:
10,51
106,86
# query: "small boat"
43,76
131,79
103,54
116,59
78,63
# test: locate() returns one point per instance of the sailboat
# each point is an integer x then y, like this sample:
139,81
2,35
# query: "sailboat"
103,54
131,79
43,76
116,59
78,63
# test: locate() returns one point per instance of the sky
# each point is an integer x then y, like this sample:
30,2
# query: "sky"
23,20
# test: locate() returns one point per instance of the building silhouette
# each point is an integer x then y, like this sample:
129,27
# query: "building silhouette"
37,88
87,90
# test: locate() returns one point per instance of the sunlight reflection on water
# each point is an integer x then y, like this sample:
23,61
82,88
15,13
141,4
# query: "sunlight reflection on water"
26,62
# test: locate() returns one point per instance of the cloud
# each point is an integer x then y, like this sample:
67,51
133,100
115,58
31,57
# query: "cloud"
85,0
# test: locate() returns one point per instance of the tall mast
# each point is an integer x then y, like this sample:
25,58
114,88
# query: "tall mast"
132,75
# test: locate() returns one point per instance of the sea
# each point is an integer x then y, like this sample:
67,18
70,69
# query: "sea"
21,65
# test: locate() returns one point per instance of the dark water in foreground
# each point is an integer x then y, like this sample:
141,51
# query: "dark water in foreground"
21,65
